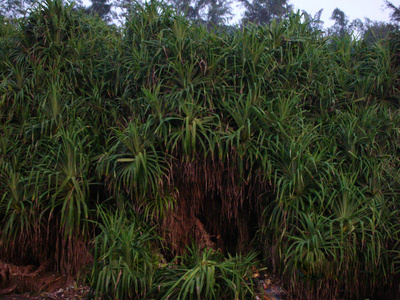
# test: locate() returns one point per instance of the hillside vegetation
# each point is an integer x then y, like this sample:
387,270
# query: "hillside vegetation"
165,157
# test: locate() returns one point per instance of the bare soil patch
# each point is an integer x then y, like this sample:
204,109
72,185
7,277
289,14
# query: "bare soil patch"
30,282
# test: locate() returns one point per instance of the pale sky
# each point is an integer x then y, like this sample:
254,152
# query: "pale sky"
373,9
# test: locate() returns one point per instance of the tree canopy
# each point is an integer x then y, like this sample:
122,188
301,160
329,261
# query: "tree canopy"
102,8
264,11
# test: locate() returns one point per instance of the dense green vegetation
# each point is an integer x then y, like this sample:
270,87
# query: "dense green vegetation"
162,155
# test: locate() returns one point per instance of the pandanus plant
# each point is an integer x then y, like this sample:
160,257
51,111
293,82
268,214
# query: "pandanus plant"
275,134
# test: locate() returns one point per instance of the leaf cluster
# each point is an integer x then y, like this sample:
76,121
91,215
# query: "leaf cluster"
274,133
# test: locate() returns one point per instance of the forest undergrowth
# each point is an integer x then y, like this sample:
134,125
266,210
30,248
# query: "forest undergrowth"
167,160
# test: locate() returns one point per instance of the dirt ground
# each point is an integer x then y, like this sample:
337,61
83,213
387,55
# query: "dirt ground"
18,297
16,281
80,292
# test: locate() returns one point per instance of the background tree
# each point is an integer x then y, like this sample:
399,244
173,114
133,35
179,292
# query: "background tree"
264,11
188,8
14,8
395,14
102,8
356,26
218,12
341,22
125,8
213,12
374,31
